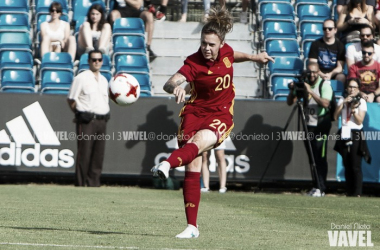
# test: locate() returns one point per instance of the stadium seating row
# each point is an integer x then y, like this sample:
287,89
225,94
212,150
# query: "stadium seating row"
129,57
286,32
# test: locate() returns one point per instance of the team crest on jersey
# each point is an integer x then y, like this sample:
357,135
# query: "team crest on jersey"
227,62
209,72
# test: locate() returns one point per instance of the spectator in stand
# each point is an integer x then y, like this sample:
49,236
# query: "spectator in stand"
160,13
353,16
328,52
135,8
55,34
354,51
341,3
95,33
368,71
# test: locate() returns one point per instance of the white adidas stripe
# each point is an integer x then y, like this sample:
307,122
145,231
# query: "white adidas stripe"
20,132
39,123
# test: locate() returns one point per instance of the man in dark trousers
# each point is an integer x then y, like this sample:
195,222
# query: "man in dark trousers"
88,99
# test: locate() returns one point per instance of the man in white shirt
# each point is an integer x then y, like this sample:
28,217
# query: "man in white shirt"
354,51
88,99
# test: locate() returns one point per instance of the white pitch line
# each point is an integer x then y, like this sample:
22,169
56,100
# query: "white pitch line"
73,246
80,246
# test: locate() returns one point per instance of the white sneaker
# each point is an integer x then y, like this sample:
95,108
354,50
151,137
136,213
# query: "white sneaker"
315,192
205,190
161,170
189,232
222,190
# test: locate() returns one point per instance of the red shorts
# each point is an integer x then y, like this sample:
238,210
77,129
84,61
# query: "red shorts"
219,123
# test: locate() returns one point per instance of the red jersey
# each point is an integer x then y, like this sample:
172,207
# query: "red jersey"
212,88
369,76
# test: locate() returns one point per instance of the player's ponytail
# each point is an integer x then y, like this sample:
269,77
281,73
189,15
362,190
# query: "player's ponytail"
219,22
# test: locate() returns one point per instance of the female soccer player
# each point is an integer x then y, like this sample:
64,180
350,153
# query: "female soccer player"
207,117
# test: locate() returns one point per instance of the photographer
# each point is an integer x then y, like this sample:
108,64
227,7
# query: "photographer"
351,146
318,122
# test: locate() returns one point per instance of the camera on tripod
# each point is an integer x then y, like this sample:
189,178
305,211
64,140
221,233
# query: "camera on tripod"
300,88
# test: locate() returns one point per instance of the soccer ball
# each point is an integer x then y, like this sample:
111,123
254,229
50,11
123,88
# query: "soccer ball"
124,89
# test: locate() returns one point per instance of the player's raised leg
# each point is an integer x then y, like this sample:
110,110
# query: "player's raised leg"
202,141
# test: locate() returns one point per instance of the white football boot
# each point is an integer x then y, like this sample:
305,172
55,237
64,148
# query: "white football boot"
161,170
189,232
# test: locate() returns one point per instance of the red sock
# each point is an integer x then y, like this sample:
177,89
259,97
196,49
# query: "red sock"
192,196
183,156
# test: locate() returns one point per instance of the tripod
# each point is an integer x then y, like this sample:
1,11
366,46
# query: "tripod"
301,116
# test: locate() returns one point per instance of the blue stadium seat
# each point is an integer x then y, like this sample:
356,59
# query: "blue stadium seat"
279,29
15,41
306,49
261,2
16,60
280,87
14,23
56,61
129,45
56,82
313,12
131,64
283,47
300,2
285,67
14,6
338,87
16,80
145,84
80,8
277,10
131,26
311,31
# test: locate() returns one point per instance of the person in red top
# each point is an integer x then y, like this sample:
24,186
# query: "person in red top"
207,117
368,71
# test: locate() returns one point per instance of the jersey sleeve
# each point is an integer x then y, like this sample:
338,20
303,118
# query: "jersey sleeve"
188,70
327,92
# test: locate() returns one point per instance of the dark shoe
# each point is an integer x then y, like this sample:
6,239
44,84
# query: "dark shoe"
152,55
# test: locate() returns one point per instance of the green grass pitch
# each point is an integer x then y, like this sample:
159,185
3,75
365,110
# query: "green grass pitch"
49,217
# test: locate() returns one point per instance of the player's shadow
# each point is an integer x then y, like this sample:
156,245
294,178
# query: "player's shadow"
164,128
261,143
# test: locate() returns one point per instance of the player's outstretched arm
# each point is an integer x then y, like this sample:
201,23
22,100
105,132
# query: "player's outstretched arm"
172,87
259,58
173,82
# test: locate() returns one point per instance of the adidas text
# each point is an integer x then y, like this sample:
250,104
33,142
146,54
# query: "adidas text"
34,157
